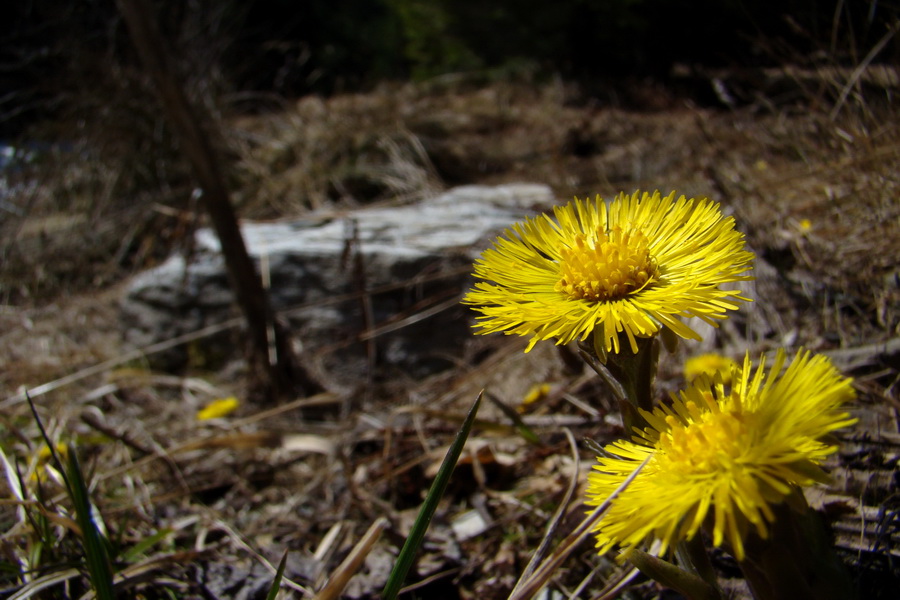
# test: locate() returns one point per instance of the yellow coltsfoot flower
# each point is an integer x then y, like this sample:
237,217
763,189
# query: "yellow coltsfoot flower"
710,364
631,266
218,408
722,458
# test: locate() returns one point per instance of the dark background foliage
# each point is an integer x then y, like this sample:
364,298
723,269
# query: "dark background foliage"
53,48
76,103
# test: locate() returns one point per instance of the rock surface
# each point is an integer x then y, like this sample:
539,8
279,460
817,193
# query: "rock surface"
412,261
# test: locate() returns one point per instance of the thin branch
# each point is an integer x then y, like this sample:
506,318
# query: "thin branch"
860,69
543,573
555,521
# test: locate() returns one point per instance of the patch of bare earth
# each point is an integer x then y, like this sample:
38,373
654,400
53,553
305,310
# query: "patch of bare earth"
819,200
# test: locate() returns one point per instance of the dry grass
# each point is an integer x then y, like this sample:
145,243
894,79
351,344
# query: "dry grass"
819,200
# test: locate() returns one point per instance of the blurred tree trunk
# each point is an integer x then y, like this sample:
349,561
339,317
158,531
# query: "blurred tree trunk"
275,371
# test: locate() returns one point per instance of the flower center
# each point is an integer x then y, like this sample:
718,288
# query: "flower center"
712,442
609,267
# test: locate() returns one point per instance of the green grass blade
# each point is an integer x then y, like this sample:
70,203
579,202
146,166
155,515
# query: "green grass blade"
95,546
522,428
139,549
417,533
50,446
276,583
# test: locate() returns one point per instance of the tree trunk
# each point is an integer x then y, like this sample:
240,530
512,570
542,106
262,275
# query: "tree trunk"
274,370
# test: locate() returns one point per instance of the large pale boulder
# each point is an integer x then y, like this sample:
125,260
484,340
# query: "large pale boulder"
413,262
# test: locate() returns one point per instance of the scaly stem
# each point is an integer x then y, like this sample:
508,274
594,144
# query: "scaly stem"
693,554
630,375
797,561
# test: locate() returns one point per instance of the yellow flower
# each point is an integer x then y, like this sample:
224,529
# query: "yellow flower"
44,468
538,391
710,365
722,458
44,453
631,266
218,408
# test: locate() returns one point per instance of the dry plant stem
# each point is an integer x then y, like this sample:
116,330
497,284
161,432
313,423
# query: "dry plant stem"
615,587
429,580
348,568
601,370
858,71
141,353
542,574
797,561
557,516
148,569
239,542
280,378
33,587
576,593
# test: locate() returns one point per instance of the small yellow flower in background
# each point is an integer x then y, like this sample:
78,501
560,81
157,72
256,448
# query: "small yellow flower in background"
709,365
44,468
536,393
722,458
43,453
220,407
631,266
805,225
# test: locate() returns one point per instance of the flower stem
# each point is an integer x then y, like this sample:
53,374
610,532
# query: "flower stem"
797,561
630,375
694,555
664,572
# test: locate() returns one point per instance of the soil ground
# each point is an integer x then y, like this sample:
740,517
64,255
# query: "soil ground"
208,506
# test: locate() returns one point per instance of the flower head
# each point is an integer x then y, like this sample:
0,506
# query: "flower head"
220,407
710,365
45,467
631,266
722,458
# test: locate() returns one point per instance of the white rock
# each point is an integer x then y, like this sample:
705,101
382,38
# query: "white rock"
401,247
